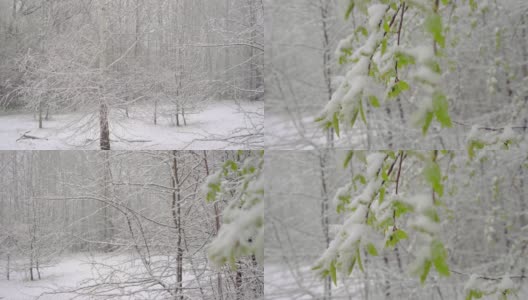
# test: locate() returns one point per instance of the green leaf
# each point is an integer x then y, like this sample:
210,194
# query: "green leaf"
395,238
317,267
349,10
426,268
231,164
333,273
351,267
474,294
363,30
440,108
371,249
399,87
361,112
361,179
386,26
381,195
469,296
214,188
439,255
383,46
433,175
348,157
374,101
354,117
427,122
474,145
401,208
433,25
335,124
400,234
358,259
404,59
473,5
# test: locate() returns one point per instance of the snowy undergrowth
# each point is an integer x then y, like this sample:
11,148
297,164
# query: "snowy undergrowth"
84,276
221,125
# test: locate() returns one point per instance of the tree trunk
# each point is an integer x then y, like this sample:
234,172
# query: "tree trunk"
387,282
137,45
13,27
104,130
103,127
324,220
227,56
238,284
40,114
8,265
38,269
31,260
156,112
176,215
107,218
327,59
217,228
177,115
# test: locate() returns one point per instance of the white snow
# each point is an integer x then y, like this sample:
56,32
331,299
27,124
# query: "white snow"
68,273
506,283
374,163
474,134
425,223
376,12
420,202
74,271
284,283
221,125
472,283
508,134
302,132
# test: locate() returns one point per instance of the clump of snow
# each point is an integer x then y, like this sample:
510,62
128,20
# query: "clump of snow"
242,232
342,192
507,135
422,53
422,255
472,283
506,283
368,192
474,133
374,163
211,180
376,13
420,202
240,236
422,222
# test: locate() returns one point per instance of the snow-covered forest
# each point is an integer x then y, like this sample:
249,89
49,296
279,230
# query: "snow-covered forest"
264,149
131,74
396,225
130,225
371,74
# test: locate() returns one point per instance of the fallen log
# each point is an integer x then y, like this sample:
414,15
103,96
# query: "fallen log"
25,135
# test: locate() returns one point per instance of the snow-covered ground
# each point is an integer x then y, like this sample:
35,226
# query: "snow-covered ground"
219,125
302,133
283,283
68,273
83,270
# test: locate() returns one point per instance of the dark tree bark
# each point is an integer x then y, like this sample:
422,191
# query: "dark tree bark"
176,215
103,127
